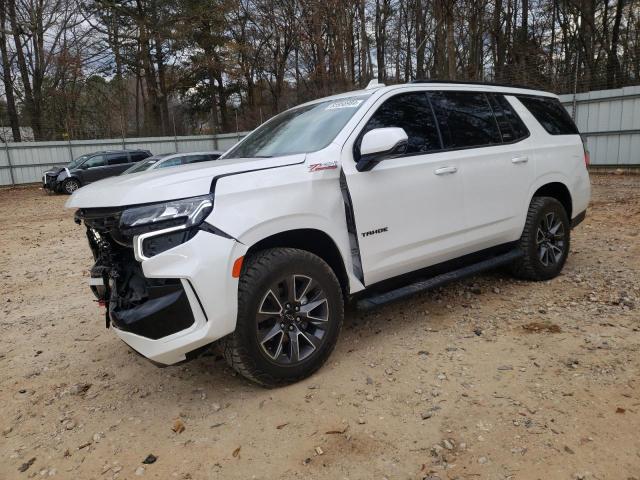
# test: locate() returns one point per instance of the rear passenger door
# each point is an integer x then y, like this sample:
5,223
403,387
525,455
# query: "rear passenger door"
490,144
118,163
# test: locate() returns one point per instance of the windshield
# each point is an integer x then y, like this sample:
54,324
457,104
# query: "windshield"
299,130
78,161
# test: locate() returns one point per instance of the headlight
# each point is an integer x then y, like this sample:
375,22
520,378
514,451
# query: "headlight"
185,213
158,227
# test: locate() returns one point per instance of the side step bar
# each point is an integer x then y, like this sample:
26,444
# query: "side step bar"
437,281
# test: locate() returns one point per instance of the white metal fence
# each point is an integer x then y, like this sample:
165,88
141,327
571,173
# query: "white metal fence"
24,162
610,119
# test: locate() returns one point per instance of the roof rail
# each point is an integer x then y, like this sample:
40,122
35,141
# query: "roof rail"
469,82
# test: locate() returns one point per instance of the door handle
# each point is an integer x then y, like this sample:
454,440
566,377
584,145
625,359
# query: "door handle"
522,159
445,170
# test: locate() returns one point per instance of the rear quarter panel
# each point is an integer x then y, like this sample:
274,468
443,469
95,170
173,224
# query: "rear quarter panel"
558,158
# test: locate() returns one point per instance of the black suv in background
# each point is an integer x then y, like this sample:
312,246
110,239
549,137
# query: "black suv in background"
89,168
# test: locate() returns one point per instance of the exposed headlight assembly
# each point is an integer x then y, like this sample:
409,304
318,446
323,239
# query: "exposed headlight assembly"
161,226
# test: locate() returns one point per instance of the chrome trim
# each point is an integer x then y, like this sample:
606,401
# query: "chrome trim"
138,239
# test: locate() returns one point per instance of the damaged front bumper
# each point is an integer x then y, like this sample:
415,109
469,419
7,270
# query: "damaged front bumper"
50,182
172,303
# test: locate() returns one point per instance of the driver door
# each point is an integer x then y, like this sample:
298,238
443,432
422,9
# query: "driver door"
409,210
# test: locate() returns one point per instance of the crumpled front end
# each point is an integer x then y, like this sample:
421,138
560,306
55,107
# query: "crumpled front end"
173,301
50,179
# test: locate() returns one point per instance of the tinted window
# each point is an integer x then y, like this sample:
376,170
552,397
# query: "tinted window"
511,127
551,115
520,130
214,156
95,161
137,156
118,159
410,111
465,119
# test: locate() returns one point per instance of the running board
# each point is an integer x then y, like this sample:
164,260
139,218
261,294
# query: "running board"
437,281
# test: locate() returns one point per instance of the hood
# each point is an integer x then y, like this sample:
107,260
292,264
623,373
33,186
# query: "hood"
168,183
54,171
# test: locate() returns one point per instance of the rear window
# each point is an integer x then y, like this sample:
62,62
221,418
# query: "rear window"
511,126
465,119
551,114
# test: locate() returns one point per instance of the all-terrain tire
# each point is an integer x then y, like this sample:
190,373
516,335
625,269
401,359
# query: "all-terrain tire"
531,266
242,349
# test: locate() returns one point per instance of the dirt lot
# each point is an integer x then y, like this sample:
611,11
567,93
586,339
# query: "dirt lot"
487,378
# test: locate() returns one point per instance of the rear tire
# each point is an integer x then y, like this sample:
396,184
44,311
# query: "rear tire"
544,242
70,185
290,312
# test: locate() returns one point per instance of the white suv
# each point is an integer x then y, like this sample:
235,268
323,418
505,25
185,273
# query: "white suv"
367,196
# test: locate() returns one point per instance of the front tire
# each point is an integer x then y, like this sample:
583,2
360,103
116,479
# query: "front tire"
544,242
290,312
70,185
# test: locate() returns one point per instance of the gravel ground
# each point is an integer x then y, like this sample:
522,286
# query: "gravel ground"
487,378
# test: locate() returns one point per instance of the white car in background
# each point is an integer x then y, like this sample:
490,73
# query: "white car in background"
166,160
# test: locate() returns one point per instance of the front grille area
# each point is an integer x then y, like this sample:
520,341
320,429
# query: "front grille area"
152,308
50,181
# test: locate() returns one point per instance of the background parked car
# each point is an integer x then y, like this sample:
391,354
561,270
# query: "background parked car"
164,160
89,168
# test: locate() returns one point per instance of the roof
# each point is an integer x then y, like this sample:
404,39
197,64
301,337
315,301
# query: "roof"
118,151
483,86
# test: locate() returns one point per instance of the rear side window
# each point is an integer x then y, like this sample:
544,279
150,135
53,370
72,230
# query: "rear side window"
465,119
137,156
411,112
118,159
551,114
512,128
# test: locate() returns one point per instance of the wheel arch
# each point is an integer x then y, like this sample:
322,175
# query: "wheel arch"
311,240
560,192
76,178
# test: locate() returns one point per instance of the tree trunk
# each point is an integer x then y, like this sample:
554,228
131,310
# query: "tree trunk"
439,47
32,110
614,75
451,46
421,40
7,78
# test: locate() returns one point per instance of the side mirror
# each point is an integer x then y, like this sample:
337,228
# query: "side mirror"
379,144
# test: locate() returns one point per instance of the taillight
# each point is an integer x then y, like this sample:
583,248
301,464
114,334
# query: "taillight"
587,157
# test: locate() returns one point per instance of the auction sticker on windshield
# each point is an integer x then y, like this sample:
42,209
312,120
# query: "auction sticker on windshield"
344,104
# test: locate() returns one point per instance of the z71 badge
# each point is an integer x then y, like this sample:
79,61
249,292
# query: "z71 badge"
316,167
